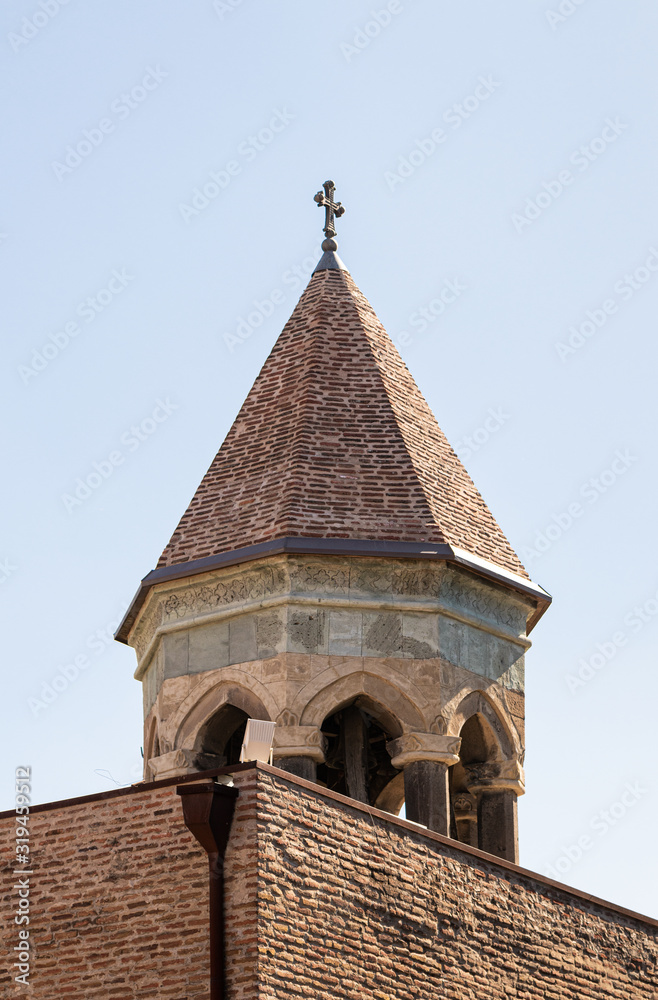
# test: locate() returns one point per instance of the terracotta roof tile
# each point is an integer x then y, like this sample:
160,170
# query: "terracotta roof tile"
335,440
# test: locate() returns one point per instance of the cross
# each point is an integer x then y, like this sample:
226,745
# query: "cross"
332,209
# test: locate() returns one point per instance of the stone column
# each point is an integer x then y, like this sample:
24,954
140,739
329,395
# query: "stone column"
425,758
299,750
497,785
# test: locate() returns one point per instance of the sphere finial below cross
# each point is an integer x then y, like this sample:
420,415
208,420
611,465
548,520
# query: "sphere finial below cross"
333,210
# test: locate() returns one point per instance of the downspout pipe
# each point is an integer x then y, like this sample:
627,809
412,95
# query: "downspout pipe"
208,813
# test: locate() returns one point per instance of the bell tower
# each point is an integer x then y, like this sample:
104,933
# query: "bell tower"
338,573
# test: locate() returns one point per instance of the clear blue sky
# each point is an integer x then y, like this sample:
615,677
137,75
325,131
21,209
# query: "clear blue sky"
492,146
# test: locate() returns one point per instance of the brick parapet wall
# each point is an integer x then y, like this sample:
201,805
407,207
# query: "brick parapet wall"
324,898
356,905
241,867
118,901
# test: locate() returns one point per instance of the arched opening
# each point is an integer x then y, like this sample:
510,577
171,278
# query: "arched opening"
357,762
478,746
220,740
199,719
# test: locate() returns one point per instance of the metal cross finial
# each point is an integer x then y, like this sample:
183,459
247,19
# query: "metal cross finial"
333,209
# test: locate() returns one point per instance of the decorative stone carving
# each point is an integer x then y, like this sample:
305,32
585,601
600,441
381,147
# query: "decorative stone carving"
300,741
423,746
440,725
391,633
287,718
146,628
483,601
190,601
269,631
496,775
315,577
466,818
465,806
386,578
401,635
306,629
239,589
172,764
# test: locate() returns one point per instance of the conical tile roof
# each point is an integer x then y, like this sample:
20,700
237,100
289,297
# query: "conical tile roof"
335,441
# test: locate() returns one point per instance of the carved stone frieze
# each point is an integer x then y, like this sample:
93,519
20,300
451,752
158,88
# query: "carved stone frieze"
331,578
190,600
148,624
483,601
239,589
316,577
395,580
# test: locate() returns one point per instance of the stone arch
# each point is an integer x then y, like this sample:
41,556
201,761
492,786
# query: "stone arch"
477,704
220,738
198,709
357,732
393,706
482,787
152,748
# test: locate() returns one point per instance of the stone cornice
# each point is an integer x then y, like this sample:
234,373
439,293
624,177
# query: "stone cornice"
426,552
366,585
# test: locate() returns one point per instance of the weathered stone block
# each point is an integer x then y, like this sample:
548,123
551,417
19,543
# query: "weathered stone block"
345,631
175,646
242,639
270,632
382,634
307,630
420,636
209,647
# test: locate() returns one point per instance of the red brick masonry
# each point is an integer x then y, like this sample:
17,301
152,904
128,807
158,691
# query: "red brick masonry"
335,440
118,900
325,899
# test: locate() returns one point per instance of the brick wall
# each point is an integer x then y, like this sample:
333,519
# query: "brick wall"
325,899
358,906
118,901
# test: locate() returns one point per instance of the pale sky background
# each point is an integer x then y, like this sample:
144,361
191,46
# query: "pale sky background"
219,74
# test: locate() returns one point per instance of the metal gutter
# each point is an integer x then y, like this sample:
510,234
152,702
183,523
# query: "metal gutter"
208,813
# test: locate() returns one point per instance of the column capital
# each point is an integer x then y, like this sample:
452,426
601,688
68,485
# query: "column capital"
496,776
173,764
424,746
300,741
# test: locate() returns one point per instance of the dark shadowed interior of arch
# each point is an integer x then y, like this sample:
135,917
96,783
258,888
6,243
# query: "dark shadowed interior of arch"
222,736
478,746
357,761
478,742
